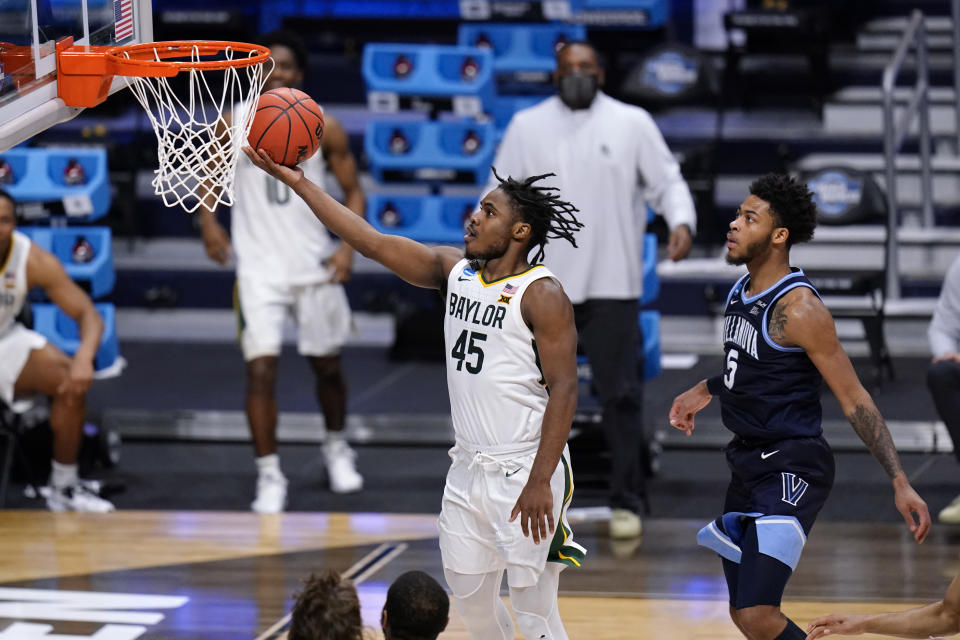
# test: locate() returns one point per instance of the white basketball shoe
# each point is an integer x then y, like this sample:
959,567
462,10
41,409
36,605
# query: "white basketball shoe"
77,497
271,492
341,464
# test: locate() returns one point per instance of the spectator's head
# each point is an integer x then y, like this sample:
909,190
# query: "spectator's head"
417,608
326,609
519,211
289,56
778,213
8,218
579,74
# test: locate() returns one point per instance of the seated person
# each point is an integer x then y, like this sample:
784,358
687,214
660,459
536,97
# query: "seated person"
417,608
31,365
943,376
326,609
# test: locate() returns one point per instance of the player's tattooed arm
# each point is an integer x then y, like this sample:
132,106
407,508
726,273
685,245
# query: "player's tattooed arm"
811,327
869,425
777,324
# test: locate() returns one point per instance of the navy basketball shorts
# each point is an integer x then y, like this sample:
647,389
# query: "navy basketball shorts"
776,491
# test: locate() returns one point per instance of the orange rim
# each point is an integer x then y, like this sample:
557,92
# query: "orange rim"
141,59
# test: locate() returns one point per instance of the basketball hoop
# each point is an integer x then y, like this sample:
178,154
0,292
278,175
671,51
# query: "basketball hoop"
198,147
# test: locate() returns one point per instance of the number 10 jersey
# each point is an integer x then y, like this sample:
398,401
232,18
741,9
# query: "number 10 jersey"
770,392
498,394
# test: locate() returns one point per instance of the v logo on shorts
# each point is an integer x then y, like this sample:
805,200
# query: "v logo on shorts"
766,454
514,472
793,488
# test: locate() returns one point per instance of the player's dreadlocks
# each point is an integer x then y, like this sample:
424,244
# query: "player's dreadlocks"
541,208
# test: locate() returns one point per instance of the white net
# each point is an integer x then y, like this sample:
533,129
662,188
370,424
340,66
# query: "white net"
201,128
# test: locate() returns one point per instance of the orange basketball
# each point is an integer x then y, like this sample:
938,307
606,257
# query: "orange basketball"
288,125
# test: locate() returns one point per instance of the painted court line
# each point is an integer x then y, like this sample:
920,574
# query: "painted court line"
360,571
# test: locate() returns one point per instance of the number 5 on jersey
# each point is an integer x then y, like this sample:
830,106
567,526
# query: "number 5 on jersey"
731,371
467,345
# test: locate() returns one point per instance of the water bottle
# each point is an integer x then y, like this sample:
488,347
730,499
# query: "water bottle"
398,143
82,251
73,173
402,66
389,216
469,69
6,173
470,144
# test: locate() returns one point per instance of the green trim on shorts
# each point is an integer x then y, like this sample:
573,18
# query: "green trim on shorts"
560,551
238,310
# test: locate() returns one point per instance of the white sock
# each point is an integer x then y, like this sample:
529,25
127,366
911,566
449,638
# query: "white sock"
269,464
63,475
334,437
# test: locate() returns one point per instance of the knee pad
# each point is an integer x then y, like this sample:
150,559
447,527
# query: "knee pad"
477,598
464,585
532,609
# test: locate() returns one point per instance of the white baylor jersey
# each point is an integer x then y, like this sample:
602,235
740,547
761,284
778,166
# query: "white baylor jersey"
275,235
497,392
13,280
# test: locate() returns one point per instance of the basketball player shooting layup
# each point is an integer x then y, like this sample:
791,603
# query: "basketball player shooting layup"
510,337
780,344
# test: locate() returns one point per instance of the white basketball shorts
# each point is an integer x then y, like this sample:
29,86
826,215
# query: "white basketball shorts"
15,347
476,535
321,312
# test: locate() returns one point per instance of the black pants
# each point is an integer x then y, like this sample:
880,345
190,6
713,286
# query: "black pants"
610,335
943,379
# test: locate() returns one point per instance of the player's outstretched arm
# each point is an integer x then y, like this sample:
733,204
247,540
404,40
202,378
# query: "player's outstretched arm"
416,263
46,272
687,405
937,619
547,310
801,319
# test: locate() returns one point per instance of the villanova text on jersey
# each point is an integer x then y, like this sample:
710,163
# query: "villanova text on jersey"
770,392
741,333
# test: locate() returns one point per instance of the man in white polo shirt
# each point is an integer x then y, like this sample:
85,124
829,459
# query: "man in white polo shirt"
611,161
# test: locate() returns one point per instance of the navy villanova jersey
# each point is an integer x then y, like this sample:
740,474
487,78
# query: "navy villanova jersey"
770,392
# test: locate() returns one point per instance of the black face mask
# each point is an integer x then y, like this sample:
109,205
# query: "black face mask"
577,90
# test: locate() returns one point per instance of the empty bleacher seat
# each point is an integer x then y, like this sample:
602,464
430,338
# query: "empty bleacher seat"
444,152
395,73
521,48
438,219
96,275
41,176
61,330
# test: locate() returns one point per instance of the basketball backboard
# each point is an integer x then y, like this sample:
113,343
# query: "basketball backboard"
29,31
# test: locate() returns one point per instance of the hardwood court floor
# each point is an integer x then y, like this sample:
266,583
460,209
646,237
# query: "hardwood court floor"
220,575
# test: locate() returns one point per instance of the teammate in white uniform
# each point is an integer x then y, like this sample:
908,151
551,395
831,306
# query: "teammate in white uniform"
30,365
511,371
287,264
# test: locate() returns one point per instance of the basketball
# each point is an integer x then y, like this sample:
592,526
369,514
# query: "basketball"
288,125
